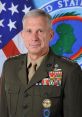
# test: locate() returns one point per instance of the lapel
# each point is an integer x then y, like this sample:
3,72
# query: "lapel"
22,74
43,70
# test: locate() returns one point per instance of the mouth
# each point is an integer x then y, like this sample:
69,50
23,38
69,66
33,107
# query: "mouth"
35,45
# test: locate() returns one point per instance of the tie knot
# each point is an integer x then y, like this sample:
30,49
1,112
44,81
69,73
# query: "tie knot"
33,65
31,70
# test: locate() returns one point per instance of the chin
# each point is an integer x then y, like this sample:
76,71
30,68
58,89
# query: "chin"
34,51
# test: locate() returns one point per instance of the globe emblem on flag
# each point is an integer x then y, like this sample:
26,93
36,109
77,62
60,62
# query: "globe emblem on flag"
67,25
68,37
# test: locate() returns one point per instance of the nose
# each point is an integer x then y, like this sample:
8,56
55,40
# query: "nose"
35,36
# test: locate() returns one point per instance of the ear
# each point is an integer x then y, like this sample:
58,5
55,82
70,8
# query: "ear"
51,34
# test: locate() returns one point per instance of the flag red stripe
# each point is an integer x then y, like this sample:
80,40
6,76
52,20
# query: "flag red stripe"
10,49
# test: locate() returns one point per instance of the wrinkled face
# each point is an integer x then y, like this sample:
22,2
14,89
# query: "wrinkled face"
36,34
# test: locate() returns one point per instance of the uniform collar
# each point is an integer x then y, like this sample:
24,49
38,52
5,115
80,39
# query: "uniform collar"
38,61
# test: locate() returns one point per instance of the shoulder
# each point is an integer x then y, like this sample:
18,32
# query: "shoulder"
65,60
66,63
14,59
17,57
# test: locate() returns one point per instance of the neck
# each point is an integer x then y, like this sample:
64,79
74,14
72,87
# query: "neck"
34,57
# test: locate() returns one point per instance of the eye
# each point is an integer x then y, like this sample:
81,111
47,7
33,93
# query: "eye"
28,31
40,30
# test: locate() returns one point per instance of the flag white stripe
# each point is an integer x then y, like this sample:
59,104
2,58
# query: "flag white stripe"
19,43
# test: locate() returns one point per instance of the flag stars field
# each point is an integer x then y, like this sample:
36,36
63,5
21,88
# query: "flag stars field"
2,7
13,9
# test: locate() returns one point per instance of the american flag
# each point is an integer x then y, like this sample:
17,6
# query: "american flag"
11,14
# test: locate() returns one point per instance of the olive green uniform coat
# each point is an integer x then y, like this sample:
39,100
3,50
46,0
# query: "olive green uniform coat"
19,99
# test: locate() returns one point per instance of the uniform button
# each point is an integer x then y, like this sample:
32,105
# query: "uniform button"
25,106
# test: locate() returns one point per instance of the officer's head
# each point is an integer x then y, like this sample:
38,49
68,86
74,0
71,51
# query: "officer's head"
37,31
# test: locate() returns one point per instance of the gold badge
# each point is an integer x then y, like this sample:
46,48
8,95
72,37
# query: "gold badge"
46,103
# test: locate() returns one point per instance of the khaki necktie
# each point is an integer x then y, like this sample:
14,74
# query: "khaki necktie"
32,70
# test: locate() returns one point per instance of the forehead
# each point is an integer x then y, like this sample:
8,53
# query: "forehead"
35,21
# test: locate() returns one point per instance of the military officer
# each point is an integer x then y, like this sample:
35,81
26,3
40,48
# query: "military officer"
40,83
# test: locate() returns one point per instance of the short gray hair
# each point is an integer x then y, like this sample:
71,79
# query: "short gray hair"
38,12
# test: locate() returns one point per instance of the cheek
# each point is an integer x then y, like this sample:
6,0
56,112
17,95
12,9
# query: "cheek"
26,42
44,42
26,38
44,39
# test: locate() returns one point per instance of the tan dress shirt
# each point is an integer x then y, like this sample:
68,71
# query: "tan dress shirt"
29,65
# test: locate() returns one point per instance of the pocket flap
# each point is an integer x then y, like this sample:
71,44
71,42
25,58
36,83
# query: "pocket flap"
47,91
